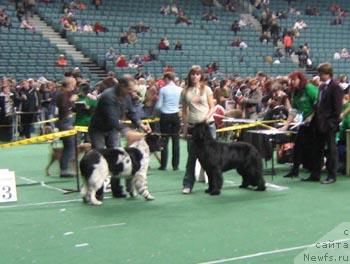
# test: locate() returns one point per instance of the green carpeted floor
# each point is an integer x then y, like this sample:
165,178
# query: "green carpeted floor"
47,226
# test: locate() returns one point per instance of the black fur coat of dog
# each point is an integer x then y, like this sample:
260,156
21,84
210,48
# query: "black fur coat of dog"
216,158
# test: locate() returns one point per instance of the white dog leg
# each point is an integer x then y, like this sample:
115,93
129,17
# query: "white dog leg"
140,183
92,197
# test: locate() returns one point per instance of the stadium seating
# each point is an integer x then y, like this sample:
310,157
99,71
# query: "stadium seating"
27,54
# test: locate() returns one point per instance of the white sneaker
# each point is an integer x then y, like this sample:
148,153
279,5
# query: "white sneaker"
186,190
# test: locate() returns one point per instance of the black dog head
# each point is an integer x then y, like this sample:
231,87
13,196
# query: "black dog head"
154,142
201,132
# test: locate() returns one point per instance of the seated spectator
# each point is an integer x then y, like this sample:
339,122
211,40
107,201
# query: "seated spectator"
87,28
337,21
178,45
278,53
97,3
124,38
98,27
121,62
243,22
174,9
20,13
299,24
236,42
211,68
26,25
132,38
151,56
280,15
288,43
344,54
110,55
312,11
136,62
182,19
294,11
336,56
165,9
334,8
82,5
5,20
230,6
128,38
264,38
164,44
140,27
168,68
210,16
275,31
235,27
62,61
302,56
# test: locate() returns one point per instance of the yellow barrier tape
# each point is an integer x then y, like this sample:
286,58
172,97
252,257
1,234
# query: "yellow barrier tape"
39,139
237,127
83,129
243,126
47,121
149,120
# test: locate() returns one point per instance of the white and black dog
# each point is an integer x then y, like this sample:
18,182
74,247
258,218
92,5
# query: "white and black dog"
131,163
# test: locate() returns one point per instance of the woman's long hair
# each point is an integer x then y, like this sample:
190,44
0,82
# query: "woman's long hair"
188,80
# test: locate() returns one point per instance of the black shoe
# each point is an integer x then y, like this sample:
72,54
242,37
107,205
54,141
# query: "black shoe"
291,175
329,181
310,179
162,168
119,195
176,168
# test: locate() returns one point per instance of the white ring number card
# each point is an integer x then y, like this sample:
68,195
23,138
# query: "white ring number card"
8,191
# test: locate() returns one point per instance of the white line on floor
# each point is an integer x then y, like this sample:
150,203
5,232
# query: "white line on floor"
103,226
259,254
28,180
51,187
82,245
44,203
40,204
43,184
268,185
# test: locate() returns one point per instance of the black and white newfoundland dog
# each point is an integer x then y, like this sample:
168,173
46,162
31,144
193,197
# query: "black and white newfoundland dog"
130,163
216,158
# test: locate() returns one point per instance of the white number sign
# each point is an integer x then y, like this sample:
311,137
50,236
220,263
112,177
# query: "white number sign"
8,191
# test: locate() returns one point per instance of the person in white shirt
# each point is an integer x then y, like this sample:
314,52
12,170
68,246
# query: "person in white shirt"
169,106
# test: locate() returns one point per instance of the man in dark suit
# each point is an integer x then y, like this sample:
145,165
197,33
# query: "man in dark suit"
106,124
325,124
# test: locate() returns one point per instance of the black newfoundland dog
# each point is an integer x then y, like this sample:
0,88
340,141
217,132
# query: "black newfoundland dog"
216,158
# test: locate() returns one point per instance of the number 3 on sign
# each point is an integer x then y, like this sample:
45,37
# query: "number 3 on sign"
7,186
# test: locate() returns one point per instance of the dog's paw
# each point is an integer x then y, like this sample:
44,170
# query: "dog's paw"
260,189
215,192
149,198
96,202
207,190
